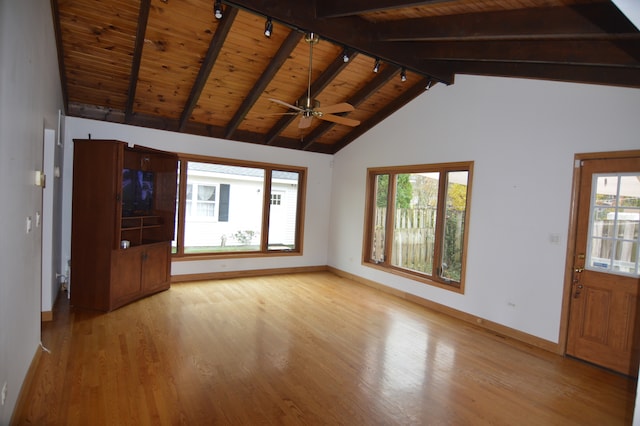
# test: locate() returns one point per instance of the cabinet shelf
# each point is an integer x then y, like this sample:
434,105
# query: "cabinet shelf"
142,229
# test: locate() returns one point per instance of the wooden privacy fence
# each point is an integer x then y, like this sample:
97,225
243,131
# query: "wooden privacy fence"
413,238
619,245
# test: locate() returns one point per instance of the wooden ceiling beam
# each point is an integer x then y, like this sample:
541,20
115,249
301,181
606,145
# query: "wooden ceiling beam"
276,63
372,87
585,21
340,8
607,75
352,32
537,51
143,18
170,124
224,26
318,85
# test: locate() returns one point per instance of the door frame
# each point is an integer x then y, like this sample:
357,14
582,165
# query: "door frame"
571,239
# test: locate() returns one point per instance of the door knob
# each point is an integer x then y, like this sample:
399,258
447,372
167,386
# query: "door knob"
578,270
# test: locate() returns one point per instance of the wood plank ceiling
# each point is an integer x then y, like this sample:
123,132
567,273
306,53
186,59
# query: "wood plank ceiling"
170,64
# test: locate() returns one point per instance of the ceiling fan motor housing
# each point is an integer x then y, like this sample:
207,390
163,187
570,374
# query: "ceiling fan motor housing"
307,103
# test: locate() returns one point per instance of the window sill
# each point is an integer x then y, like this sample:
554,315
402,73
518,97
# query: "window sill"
453,286
244,255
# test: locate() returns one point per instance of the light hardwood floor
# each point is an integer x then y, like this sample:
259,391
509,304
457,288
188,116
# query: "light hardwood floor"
310,349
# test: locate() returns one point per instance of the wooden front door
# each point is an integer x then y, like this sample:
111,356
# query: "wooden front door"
603,321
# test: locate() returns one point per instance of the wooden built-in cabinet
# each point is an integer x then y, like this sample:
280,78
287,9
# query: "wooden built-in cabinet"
120,193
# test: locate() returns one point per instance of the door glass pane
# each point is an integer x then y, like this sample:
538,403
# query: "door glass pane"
379,217
416,203
613,230
283,210
455,209
240,229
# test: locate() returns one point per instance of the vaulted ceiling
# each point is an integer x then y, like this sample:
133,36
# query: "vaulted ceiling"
172,65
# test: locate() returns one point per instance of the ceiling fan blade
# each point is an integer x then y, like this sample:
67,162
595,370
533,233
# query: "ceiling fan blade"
278,101
305,122
340,120
332,109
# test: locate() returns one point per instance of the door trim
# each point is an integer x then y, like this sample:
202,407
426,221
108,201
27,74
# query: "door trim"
571,239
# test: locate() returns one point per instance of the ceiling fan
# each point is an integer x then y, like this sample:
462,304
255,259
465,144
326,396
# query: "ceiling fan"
308,108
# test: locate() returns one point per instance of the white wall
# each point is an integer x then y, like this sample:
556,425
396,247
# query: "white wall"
522,136
30,97
318,193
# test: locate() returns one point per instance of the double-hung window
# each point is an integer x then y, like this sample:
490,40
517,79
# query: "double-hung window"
416,221
201,200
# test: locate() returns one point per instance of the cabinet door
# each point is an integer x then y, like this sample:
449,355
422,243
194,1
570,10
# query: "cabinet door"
165,196
96,182
156,267
125,275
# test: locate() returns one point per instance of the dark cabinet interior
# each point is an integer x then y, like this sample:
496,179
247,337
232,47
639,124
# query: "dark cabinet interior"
123,218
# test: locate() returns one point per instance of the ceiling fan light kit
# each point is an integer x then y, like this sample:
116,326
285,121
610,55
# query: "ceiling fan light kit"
311,38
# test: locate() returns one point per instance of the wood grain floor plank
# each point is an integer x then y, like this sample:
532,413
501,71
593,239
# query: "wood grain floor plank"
303,349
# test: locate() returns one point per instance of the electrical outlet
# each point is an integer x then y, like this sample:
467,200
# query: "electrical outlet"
3,396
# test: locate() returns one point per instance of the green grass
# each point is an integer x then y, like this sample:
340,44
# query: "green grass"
219,249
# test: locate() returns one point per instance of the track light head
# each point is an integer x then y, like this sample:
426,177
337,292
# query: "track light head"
403,75
217,9
268,28
376,66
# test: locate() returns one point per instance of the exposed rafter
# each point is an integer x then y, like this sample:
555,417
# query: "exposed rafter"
350,31
137,55
611,75
340,8
283,53
587,52
212,54
596,21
